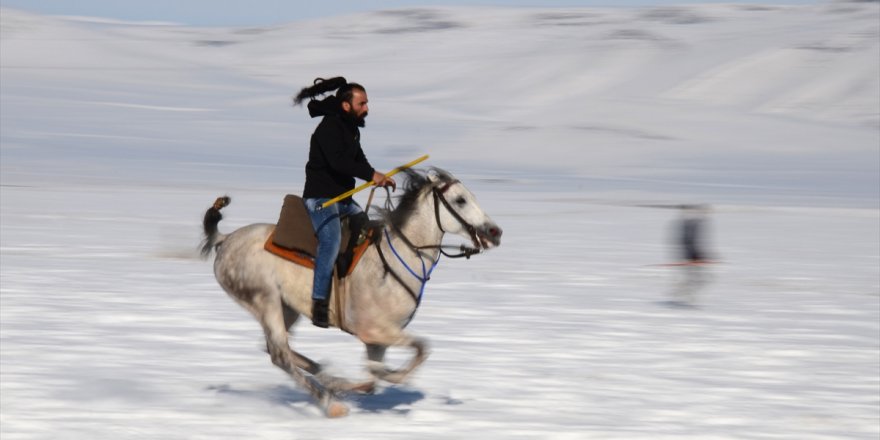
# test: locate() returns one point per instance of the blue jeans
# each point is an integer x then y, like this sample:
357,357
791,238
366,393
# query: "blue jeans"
328,229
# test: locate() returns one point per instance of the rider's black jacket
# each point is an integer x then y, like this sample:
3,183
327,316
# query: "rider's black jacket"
335,154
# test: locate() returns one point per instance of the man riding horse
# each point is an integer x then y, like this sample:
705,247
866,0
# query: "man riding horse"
335,160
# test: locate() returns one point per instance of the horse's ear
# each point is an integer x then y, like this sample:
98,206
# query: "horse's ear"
433,176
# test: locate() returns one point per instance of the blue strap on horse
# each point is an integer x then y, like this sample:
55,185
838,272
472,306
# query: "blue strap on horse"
426,273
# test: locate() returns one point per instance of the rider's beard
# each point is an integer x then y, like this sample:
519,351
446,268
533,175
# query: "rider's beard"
360,119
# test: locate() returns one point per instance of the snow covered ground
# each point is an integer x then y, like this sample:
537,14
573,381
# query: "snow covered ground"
575,128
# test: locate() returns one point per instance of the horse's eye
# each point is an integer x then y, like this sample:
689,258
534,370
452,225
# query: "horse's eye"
460,201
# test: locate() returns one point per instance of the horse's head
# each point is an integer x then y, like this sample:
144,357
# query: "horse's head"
443,200
457,211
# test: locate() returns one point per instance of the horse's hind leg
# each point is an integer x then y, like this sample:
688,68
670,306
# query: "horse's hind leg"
273,322
333,383
301,361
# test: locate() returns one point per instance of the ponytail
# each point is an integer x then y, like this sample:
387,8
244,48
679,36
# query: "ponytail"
320,87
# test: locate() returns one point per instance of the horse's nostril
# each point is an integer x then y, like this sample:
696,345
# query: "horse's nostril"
495,232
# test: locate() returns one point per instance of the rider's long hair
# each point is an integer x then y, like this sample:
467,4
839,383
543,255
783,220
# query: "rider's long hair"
344,89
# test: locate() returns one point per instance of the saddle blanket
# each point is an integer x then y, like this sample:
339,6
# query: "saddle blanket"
294,237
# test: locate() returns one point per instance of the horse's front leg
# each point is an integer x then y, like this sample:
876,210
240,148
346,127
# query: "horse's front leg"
376,358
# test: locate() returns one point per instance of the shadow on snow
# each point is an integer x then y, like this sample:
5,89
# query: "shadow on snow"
386,400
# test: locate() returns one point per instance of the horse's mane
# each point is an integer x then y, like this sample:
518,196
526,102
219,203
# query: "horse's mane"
417,181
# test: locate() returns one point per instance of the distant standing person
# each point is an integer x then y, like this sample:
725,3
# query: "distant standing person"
692,229
691,243
335,160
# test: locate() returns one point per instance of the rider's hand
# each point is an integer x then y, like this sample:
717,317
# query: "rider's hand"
382,180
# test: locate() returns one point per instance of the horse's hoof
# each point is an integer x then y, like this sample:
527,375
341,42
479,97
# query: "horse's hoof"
336,409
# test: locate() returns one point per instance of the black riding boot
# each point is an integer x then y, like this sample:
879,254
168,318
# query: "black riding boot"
319,313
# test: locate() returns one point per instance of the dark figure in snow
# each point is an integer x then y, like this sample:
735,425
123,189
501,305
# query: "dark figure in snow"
691,238
335,160
692,229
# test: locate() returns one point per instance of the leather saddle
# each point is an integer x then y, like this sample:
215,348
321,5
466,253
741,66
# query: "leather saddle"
294,237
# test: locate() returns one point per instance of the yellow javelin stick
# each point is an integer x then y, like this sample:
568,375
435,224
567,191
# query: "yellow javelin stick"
368,184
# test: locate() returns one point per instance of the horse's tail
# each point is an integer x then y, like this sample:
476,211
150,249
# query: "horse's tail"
212,217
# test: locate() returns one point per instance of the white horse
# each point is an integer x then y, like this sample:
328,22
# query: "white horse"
378,298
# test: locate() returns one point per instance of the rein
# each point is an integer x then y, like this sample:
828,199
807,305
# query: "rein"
464,251
419,250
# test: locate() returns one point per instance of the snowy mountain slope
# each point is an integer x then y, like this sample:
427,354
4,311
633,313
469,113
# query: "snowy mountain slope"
618,93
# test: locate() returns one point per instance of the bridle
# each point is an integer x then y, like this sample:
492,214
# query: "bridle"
439,198
471,229
464,251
